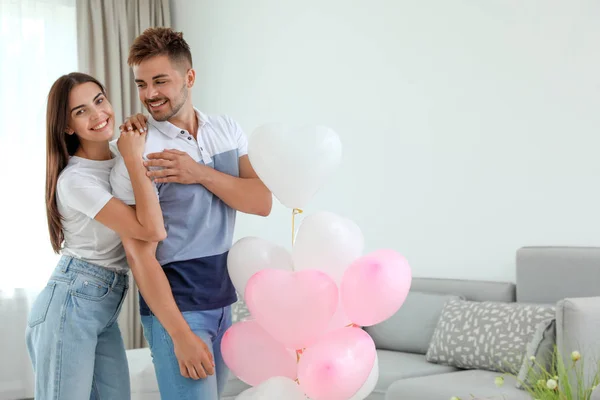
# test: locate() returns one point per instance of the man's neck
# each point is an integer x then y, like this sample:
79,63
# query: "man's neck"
186,119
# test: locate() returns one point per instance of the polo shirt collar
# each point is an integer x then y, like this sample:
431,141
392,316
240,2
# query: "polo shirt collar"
170,130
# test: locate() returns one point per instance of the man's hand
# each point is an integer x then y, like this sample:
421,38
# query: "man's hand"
177,166
194,357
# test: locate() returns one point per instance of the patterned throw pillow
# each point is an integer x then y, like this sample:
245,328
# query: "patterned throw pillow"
485,335
541,347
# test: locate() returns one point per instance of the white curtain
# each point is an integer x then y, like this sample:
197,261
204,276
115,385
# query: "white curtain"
38,43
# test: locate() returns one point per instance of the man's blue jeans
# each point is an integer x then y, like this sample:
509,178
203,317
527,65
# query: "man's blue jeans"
208,325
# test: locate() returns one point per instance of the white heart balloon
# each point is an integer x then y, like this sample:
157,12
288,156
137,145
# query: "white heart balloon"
250,255
327,242
294,163
275,388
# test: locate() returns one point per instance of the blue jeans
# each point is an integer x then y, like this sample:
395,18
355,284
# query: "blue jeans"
208,325
73,339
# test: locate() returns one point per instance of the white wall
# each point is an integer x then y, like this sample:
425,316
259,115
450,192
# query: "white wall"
470,128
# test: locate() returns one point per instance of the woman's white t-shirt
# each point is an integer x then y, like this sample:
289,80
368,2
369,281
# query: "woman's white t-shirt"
83,189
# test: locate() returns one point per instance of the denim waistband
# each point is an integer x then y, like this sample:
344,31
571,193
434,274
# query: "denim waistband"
115,279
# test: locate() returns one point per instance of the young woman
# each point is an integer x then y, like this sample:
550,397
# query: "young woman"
73,338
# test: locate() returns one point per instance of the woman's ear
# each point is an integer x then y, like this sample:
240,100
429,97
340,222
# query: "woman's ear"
69,131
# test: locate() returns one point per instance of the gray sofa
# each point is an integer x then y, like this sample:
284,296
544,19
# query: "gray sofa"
566,277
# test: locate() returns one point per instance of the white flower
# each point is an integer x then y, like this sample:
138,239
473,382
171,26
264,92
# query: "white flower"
532,358
575,356
541,383
499,381
454,398
551,384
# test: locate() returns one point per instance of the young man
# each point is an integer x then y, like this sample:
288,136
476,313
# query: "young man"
202,174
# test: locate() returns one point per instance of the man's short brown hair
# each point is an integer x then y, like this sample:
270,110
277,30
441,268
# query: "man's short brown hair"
157,42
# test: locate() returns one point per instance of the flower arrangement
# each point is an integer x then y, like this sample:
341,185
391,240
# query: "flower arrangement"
559,382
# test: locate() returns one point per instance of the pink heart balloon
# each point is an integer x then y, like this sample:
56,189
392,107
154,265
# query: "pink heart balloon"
246,342
337,366
375,286
339,319
293,307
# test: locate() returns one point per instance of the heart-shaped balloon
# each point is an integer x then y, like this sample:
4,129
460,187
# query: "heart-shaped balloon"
252,254
294,163
293,307
327,242
375,286
339,319
338,365
246,342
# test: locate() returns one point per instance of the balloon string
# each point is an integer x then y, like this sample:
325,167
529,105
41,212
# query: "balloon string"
298,353
295,212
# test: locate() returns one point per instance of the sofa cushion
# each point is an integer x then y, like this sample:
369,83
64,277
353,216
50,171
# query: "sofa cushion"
577,327
141,372
596,394
394,365
485,335
550,274
411,328
469,289
141,375
466,385
541,346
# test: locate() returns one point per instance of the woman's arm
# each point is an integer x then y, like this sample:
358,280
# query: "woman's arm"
193,355
123,219
146,221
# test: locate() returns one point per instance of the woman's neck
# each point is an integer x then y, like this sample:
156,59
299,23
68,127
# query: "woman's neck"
97,151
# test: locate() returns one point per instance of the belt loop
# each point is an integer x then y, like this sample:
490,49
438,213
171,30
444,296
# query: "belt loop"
67,260
115,280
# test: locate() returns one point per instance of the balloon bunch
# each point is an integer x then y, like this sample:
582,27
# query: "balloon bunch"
307,306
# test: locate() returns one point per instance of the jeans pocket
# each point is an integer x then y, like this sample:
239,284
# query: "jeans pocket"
40,307
89,288
123,295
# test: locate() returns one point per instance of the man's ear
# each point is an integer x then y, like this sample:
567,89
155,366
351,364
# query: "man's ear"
190,77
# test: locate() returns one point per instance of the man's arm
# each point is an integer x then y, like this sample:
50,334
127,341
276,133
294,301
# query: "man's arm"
246,194
195,359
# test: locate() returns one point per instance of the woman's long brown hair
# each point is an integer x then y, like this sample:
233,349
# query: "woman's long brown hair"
60,146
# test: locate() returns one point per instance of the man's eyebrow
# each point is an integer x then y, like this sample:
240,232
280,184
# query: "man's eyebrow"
83,105
153,78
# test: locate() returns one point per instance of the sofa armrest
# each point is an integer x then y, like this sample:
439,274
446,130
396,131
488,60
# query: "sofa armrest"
578,329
